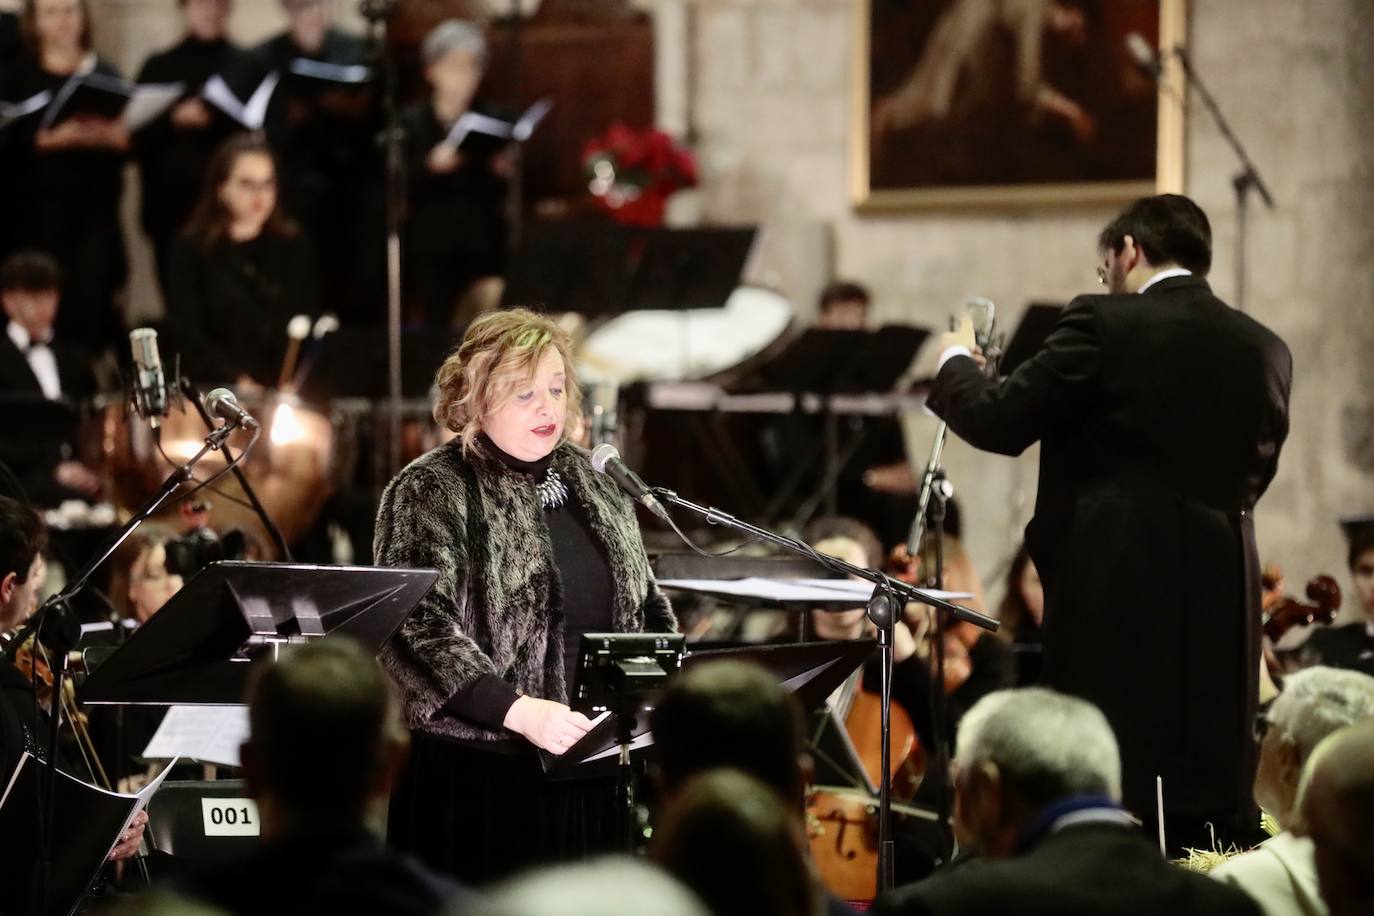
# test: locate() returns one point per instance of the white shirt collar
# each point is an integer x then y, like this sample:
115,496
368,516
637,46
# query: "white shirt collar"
19,336
1165,275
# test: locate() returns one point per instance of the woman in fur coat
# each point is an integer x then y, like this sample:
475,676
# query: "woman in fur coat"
533,549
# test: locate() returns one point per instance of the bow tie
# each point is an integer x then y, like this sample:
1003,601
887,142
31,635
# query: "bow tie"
41,344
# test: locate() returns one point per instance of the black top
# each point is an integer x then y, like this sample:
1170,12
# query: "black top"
459,213
584,573
172,160
229,304
1349,646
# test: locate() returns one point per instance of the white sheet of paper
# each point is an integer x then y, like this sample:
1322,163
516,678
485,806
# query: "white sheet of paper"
251,114
210,734
817,590
13,112
149,101
338,73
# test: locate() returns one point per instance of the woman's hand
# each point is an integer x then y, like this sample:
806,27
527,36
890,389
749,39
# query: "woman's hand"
444,159
131,839
546,724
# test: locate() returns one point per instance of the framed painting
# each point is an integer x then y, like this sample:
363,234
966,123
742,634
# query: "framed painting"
997,103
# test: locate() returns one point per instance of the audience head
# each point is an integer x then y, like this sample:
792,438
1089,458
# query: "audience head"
326,741
1360,561
737,844
611,886
239,197
854,542
1166,230
728,714
1315,703
206,20
63,26
1020,751
454,54
30,287
844,306
1336,802
1023,606
22,569
512,378
307,23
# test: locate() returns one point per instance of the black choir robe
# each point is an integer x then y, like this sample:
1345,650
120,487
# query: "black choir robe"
172,160
1160,417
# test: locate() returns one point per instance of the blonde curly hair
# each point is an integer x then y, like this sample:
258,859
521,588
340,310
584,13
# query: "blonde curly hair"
500,353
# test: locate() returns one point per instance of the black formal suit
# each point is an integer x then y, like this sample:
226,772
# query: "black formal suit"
1160,417
1085,870
34,457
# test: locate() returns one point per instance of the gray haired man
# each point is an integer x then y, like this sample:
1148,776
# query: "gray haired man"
1037,778
1281,874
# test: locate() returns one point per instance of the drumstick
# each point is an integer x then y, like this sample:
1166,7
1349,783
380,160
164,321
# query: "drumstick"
295,333
325,324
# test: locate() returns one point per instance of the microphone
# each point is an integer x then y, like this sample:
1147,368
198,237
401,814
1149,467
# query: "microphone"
983,314
222,403
606,460
150,385
1143,54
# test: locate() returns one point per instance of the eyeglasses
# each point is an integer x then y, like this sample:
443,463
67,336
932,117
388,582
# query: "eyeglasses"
1259,727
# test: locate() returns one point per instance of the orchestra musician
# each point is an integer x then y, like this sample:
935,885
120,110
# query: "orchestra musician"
1351,645
68,177
1160,411
36,366
533,549
1022,615
240,271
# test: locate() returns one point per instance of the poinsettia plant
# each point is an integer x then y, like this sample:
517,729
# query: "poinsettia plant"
632,172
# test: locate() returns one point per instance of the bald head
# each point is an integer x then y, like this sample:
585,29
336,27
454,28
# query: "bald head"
1337,803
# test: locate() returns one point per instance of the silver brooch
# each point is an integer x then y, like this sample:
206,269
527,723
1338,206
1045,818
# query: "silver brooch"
553,493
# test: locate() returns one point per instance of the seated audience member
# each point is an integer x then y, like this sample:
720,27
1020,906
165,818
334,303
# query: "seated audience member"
1037,789
35,366
1350,645
325,745
1281,873
736,843
1022,614
611,886
1336,810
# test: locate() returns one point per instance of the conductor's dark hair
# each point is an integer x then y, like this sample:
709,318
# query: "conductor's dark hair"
31,271
209,221
29,27
843,291
1166,228
729,714
22,537
322,719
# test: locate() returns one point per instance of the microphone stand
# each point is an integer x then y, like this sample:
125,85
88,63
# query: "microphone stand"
189,392
1244,181
58,629
889,596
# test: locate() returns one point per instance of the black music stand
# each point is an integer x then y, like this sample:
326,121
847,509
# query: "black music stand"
196,649
1030,334
829,361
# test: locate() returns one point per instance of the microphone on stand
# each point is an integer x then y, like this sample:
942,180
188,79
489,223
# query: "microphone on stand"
222,403
983,314
606,460
150,384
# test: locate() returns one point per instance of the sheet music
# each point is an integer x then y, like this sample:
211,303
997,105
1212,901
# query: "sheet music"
251,114
149,101
13,112
337,73
470,121
211,734
819,591
530,120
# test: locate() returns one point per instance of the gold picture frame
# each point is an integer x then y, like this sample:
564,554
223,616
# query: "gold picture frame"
927,191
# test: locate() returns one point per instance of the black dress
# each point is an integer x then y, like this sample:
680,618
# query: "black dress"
230,302
324,134
455,223
172,160
66,202
509,815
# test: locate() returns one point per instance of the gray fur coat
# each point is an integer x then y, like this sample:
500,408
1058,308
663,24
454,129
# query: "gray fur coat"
496,607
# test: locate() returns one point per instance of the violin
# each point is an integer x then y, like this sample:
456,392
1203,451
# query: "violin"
1282,613
31,659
